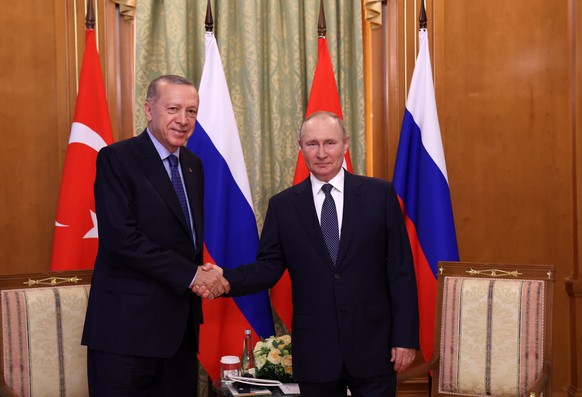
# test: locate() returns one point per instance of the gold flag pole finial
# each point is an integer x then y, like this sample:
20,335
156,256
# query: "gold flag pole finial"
321,27
209,22
90,17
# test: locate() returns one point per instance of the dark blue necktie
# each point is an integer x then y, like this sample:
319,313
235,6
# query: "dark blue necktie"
329,223
177,183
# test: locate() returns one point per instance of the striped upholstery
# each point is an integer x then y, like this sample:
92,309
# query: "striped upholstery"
41,330
491,336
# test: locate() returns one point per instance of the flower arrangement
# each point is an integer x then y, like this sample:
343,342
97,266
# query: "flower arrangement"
273,359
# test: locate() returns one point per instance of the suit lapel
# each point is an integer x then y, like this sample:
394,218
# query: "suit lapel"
192,187
308,216
154,171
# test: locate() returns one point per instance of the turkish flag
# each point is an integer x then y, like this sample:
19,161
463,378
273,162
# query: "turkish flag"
75,242
324,96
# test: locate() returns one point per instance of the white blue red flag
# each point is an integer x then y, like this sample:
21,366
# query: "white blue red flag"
421,183
230,229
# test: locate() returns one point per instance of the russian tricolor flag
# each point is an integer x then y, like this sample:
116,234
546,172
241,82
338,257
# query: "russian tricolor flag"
421,183
230,228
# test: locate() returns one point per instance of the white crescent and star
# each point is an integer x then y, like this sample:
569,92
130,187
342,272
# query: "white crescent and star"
82,134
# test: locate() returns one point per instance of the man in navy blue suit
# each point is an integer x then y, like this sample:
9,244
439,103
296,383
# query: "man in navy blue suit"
355,311
142,321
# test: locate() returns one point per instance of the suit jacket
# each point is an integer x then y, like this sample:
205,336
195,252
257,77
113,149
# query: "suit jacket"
351,313
140,300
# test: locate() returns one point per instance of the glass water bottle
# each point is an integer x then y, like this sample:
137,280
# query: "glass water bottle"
248,358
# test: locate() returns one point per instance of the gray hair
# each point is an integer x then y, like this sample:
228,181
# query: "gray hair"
323,114
152,93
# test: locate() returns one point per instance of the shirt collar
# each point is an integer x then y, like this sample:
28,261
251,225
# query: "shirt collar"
337,182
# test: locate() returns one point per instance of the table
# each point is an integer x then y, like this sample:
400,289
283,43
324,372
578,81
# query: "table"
222,391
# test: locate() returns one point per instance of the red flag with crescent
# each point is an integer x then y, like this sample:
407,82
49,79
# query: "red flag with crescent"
75,240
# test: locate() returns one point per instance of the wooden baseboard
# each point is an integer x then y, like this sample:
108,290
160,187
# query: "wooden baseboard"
417,387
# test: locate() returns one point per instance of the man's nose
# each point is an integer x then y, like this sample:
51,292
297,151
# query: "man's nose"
181,117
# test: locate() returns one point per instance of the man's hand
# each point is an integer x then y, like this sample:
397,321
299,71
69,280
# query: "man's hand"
402,358
209,283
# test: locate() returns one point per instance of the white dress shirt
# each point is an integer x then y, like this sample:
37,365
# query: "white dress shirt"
337,193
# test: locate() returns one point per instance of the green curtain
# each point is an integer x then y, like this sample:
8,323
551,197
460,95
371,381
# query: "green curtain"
269,52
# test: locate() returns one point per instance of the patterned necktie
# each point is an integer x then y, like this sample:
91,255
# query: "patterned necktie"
329,223
177,183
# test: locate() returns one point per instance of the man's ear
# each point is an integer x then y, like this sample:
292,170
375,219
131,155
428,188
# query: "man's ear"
147,109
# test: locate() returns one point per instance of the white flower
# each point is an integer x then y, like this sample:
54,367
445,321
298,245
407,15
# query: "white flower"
259,346
287,361
274,356
260,361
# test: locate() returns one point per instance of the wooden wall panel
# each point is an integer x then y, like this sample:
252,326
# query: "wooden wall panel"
29,162
574,283
118,59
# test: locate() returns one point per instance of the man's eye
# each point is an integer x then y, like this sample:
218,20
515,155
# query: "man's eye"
172,110
192,112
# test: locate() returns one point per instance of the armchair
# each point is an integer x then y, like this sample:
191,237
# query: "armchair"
42,320
492,331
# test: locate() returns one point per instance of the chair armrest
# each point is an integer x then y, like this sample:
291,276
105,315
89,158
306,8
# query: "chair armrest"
5,391
538,387
418,370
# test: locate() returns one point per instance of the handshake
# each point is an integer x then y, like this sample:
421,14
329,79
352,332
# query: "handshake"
209,283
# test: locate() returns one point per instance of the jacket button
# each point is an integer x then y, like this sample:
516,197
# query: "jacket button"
336,276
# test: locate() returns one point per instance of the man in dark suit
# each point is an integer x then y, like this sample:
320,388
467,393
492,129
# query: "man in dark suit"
355,311
142,321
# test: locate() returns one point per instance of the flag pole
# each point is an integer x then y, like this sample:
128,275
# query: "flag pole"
321,25
422,18
422,22
209,22
90,17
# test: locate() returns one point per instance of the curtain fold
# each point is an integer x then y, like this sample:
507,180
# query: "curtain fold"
269,53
